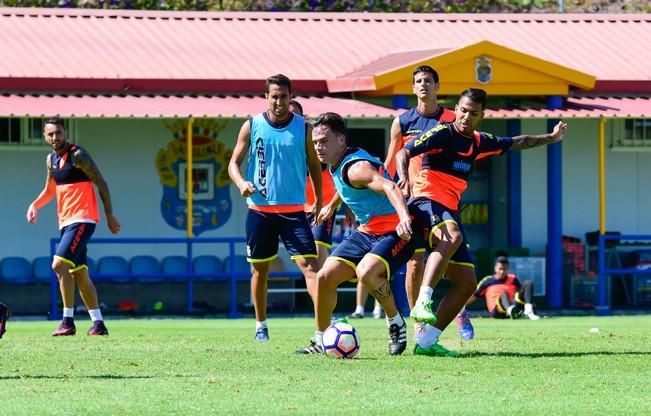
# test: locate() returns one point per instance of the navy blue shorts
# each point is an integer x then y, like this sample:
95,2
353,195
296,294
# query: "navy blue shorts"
430,215
322,232
263,230
390,249
72,246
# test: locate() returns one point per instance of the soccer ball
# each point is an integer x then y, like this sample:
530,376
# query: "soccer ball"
340,340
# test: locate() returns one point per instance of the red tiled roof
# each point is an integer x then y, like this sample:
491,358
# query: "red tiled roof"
153,106
584,107
96,106
224,46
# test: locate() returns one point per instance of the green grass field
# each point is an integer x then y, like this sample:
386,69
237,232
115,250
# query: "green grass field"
555,366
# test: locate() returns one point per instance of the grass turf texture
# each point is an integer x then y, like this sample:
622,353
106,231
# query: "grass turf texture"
207,367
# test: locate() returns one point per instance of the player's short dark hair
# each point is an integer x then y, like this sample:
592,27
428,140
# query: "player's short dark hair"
280,80
57,121
476,95
297,106
333,121
502,260
427,69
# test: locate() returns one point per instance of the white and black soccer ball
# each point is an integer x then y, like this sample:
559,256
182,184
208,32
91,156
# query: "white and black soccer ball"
340,340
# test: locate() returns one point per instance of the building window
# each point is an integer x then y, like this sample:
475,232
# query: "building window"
10,131
635,133
34,131
26,132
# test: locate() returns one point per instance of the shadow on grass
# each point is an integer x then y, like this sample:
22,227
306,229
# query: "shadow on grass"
550,354
90,377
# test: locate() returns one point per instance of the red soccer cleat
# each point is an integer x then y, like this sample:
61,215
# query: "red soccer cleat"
98,328
66,328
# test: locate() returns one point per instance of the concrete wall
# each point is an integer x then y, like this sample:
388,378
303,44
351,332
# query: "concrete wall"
628,199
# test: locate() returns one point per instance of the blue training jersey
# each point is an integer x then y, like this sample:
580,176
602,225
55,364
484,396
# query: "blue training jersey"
413,123
277,161
365,203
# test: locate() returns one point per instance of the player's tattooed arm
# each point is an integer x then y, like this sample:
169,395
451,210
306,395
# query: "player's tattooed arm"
83,161
528,141
382,292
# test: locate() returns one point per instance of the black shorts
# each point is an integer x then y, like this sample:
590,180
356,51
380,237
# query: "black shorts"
389,248
263,230
430,215
72,246
322,232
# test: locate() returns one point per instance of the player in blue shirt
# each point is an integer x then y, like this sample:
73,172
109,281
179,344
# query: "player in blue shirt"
277,146
379,246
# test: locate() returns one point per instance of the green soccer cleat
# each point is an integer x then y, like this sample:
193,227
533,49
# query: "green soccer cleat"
435,350
342,320
422,312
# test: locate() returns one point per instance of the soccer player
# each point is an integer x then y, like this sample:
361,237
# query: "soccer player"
449,153
322,232
277,147
377,247
426,115
4,317
71,177
505,296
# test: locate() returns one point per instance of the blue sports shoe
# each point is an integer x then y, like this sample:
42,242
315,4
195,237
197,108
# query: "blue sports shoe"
466,329
262,334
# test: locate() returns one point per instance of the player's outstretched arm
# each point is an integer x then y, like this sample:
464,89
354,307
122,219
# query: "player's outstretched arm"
46,195
82,160
364,175
241,149
527,141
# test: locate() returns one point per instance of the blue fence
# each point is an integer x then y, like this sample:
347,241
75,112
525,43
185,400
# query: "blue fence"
603,304
232,274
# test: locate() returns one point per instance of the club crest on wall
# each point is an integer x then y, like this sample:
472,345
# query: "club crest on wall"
210,181
483,69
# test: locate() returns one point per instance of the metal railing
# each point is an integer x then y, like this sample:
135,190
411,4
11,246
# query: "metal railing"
603,271
230,274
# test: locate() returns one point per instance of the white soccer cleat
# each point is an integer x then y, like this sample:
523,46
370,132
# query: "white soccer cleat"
532,316
528,312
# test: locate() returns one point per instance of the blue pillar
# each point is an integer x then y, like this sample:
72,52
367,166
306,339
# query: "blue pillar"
400,101
603,303
554,214
514,173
